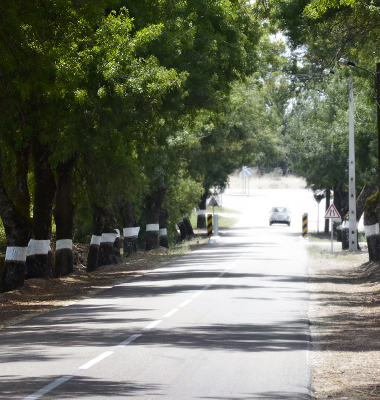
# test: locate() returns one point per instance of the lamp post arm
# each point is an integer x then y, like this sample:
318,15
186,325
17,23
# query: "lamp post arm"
367,70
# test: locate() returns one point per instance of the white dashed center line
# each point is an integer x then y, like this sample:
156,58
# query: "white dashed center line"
49,387
185,303
152,325
170,313
126,342
96,360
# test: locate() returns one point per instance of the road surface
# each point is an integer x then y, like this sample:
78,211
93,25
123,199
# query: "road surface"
228,321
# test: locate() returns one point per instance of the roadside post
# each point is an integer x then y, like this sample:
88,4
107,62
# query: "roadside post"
243,175
209,225
212,225
304,226
333,215
216,233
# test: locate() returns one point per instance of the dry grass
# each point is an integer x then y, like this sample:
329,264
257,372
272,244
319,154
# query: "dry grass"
344,314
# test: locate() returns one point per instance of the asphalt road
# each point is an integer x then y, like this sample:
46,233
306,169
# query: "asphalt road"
227,321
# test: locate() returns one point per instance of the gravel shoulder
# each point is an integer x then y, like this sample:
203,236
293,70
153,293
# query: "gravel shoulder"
344,314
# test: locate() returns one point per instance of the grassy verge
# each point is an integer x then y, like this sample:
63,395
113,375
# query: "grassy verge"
320,236
316,252
326,237
223,220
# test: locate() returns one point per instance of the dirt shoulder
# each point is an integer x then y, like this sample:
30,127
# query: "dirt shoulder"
344,313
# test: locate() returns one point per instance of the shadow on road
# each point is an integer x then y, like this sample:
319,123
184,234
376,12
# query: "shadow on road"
79,387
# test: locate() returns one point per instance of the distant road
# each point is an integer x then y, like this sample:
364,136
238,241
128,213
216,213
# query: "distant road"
227,321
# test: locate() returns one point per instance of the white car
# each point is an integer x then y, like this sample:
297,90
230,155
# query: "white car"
280,215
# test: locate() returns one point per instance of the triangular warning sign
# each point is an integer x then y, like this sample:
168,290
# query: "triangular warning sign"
332,213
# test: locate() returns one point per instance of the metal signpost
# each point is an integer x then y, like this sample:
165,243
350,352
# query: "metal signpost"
213,203
332,213
243,175
318,196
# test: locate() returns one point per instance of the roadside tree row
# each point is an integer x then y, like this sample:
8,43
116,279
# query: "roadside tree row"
116,116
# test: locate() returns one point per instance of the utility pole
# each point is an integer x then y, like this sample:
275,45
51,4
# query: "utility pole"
352,232
377,88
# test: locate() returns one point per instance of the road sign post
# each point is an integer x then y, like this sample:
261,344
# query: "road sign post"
243,175
332,213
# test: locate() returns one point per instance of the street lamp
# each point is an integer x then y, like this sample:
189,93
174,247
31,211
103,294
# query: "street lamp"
345,63
352,232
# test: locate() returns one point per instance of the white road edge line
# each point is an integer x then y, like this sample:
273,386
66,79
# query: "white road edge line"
206,287
49,387
152,325
214,280
170,313
96,360
196,294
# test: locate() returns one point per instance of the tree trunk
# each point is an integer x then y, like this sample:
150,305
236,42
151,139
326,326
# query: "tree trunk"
341,204
131,229
187,223
201,220
153,204
109,249
163,222
17,223
360,204
38,260
64,216
182,230
338,200
345,235
371,226
366,192
327,221
98,218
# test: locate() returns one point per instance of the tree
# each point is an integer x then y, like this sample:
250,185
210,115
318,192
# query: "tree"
36,43
85,86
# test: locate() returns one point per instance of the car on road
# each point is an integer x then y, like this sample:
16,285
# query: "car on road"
280,215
